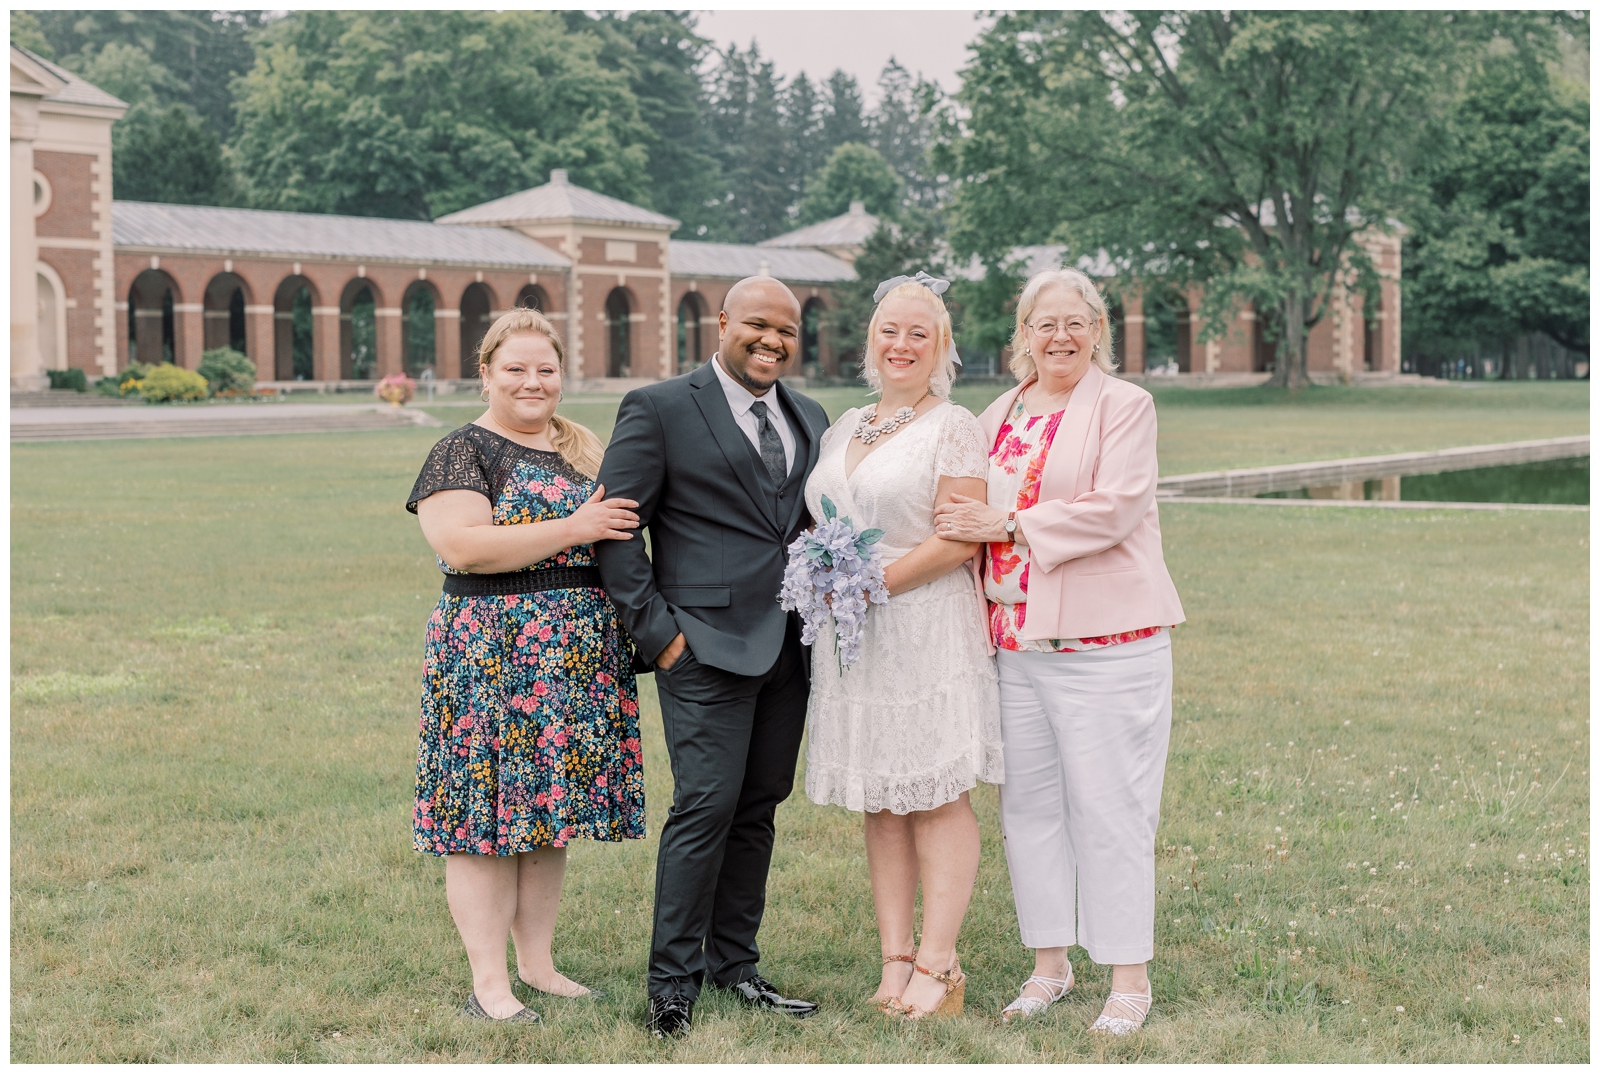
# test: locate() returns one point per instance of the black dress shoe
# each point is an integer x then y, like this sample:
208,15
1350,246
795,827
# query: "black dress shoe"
670,1016
757,991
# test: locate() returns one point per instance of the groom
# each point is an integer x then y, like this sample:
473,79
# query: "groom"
717,461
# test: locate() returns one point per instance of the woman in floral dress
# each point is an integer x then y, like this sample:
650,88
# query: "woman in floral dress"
530,715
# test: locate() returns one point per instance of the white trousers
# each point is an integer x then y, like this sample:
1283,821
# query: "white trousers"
1085,738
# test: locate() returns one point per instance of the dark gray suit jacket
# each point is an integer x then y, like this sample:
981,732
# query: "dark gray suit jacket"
716,544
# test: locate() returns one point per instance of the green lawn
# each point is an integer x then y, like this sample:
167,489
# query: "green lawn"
1218,429
1377,784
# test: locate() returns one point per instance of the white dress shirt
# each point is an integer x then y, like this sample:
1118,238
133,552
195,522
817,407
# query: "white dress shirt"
739,400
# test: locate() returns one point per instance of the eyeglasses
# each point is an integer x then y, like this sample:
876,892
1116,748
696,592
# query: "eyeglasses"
1074,327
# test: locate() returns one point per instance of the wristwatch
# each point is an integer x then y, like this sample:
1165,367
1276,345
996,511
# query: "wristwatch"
1011,526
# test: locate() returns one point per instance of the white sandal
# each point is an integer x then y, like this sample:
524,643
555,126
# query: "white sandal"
1024,1006
1121,1027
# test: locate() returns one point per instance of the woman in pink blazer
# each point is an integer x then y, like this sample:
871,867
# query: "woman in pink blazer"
1080,604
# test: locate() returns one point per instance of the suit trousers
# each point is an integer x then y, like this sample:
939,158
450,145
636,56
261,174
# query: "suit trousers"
1085,738
733,741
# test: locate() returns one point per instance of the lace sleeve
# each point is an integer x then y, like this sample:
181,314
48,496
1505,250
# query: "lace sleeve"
454,463
839,428
961,448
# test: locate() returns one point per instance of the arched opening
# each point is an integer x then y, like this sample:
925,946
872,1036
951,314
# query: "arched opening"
52,320
152,328
533,297
690,311
811,315
1264,355
225,299
619,335
358,331
1166,329
477,314
292,338
418,340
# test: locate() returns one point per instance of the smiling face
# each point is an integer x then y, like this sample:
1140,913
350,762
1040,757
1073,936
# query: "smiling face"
905,344
1062,333
524,382
758,331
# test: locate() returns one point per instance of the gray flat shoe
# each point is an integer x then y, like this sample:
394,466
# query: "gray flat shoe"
473,1009
589,996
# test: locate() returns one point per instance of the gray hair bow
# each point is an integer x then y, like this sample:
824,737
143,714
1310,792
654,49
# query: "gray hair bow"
937,286
932,283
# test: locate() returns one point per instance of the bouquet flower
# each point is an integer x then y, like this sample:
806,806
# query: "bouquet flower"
396,389
834,570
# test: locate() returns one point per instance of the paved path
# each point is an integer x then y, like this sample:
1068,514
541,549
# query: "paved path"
227,419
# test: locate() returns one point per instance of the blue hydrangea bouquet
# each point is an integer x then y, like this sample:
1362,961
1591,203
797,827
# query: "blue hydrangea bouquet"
834,570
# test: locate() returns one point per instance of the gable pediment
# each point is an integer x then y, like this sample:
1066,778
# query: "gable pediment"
31,78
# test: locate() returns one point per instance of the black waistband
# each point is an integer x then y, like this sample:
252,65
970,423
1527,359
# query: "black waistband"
513,582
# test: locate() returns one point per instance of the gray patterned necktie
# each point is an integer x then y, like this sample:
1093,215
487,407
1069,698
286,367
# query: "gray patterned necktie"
771,446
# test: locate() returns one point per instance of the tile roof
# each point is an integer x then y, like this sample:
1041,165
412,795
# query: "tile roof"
727,259
259,231
558,200
1028,261
852,229
76,90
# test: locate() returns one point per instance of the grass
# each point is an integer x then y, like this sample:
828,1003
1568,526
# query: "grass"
215,648
1220,428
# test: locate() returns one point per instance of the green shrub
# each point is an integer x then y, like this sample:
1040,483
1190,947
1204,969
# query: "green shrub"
119,384
226,370
167,382
72,379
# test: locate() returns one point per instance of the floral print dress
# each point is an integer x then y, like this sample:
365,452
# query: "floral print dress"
530,713
1016,461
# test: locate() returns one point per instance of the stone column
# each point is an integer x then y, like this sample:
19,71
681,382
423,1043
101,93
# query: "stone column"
325,343
260,340
27,371
446,343
390,360
1133,330
189,328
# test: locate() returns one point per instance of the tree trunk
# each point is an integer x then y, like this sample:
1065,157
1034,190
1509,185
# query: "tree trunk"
1291,369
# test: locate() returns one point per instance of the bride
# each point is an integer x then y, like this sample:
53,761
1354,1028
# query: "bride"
904,733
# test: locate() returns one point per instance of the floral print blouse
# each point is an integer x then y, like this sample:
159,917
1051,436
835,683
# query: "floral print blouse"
1016,462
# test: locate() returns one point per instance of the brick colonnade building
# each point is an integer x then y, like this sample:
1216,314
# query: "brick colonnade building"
315,297
310,297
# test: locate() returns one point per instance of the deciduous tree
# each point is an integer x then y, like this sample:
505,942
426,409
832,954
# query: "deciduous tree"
1501,245
854,172
419,113
1246,149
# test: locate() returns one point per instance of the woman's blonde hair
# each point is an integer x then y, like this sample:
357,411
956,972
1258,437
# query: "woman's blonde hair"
1022,363
944,373
577,445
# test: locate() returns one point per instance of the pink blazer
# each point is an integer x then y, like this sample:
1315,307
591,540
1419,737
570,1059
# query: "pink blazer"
1094,541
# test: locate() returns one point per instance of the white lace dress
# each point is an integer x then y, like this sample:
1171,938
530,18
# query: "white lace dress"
916,721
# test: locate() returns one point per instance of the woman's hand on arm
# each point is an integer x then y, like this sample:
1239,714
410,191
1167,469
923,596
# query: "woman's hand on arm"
936,556
970,518
459,525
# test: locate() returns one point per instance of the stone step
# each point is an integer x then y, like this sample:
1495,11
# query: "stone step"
62,397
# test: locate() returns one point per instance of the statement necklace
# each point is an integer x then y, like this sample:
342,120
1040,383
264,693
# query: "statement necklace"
866,432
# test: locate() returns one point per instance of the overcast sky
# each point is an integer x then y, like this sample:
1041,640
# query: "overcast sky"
861,42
